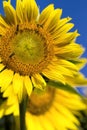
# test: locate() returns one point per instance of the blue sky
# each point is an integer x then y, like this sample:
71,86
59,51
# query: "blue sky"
77,9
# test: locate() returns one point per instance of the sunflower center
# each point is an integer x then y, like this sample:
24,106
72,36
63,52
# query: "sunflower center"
26,49
40,103
29,47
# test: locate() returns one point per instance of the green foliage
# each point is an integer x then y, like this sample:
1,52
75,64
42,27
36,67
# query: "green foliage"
65,87
83,120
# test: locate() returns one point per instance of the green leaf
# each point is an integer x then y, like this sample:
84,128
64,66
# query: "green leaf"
65,87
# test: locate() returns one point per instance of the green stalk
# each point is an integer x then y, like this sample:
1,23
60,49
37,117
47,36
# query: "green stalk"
16,123
22,108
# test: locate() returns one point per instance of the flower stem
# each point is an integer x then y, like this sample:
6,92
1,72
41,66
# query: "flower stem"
22,108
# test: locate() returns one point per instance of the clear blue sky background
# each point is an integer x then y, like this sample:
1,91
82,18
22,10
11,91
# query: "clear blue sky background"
77,9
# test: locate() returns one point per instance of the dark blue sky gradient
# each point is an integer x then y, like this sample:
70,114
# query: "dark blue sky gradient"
77,9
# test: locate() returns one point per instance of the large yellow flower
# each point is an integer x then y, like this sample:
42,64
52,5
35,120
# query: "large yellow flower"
35,46
55,112
50,110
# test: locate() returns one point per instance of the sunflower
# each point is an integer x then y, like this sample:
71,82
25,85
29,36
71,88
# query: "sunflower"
50,110
9,105
35,46
55,112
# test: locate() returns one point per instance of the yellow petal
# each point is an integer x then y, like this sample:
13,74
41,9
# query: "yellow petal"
30,123
3,26
53,19
81,63
63,21
45,14
30,10
70,51
71,101
54,75
9,110
1,111
66,112
18,86
19,10
38,81
77,80
62,70
6,77
65,39
55,120
3,23
12,99
61,121
1,67
8,92
9,1
10,13
67,64
2,31
28,85
47,125
65,29
37,123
